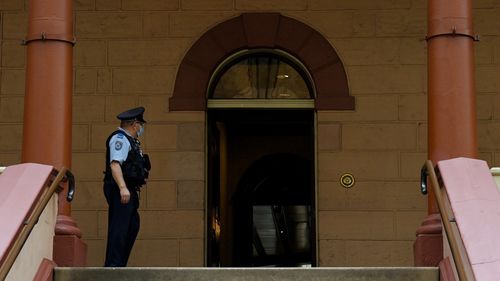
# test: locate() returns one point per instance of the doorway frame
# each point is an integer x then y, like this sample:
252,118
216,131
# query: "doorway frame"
315,174
264,104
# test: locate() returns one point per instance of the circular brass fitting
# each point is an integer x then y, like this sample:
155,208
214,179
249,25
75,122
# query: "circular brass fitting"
347,180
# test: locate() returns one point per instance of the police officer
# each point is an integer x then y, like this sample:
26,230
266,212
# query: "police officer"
126,171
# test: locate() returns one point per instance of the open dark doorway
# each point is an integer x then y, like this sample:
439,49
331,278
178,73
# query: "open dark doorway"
261,188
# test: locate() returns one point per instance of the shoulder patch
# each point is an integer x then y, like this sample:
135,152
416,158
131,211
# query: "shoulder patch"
118,145
120,136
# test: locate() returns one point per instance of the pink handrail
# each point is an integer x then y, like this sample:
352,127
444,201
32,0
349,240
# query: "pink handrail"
462,263
12,245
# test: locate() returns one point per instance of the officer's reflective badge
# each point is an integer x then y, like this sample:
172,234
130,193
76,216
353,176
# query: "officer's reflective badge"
118,145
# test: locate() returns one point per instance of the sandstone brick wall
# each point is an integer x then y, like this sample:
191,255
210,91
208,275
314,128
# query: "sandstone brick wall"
13,22
127,54
381,143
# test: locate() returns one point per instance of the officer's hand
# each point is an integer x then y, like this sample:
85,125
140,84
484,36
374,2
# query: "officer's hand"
125,195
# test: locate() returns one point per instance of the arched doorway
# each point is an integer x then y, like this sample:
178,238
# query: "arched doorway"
269,121
261,162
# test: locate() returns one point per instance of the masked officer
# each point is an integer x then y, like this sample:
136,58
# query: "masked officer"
127,169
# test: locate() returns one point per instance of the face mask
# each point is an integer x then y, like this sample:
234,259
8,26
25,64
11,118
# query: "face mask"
141,131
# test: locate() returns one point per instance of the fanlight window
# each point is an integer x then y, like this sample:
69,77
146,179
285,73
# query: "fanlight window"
261,76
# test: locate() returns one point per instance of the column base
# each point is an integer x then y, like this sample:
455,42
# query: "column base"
69,250
428,247
66,225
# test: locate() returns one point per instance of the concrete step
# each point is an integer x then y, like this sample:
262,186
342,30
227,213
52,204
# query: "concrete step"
248,274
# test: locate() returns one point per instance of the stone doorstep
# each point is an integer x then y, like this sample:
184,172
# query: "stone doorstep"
248,274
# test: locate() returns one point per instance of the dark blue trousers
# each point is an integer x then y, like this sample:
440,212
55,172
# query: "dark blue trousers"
123,225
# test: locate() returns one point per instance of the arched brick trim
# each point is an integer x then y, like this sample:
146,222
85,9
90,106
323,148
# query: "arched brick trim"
261,30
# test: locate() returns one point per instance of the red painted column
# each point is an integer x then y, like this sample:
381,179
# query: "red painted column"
48,109
451,105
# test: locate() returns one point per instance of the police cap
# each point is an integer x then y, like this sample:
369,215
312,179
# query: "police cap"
132,114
